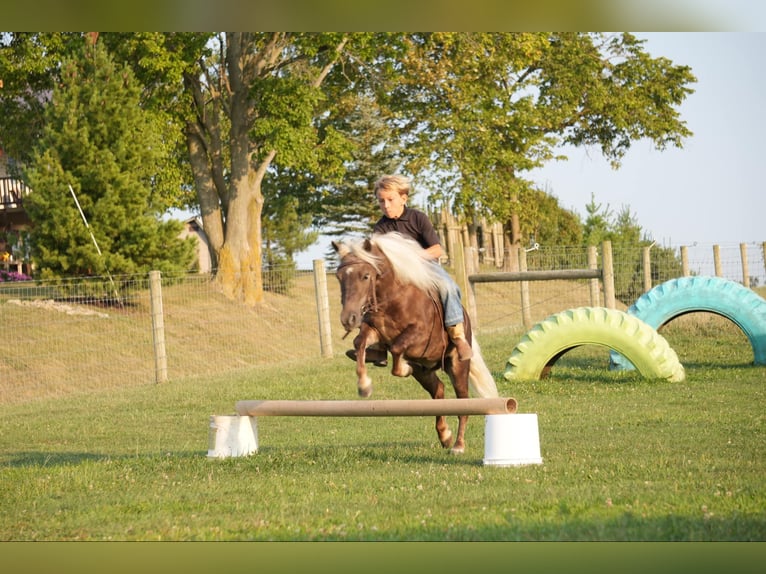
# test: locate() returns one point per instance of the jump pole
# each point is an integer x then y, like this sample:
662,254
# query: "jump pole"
383,408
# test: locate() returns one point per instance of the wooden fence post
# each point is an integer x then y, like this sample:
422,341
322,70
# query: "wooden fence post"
457,258
593,283
763,253
684,261
497,243
745,269
647,264
323,308
470,266
158,328
717,260
607,265
526,307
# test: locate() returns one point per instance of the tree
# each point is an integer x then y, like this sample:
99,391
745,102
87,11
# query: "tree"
598,223
255,99
482,109
547,222
350,207
627,237
101,142
251,101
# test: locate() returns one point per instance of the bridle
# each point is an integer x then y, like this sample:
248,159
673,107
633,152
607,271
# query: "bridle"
370,304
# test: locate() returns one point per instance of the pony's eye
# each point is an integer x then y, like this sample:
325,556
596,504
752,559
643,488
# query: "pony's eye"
366,276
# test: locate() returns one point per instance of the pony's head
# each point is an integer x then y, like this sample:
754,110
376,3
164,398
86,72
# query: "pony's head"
360,266
362,263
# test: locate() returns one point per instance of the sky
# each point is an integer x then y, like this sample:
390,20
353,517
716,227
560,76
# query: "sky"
709,192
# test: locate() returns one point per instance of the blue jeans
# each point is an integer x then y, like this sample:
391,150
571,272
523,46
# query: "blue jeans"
451,299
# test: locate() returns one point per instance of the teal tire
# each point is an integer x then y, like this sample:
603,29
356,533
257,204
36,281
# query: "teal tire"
547,341
677,297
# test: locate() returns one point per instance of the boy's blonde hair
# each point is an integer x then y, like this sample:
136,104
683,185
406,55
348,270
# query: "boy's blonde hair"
399,183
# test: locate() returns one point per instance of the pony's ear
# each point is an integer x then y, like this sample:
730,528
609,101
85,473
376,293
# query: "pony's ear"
341,249
367,245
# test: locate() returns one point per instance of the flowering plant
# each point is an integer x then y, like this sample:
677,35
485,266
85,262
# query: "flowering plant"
13,276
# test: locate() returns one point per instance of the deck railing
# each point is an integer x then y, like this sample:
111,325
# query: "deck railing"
12,192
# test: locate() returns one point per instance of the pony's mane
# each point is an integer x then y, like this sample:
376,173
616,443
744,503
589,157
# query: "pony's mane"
409,261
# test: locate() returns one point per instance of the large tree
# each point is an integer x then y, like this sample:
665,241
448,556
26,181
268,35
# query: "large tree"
255,97
99,157
483,109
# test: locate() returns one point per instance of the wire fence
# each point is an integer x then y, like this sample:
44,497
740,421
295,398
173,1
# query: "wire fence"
79,334
498,306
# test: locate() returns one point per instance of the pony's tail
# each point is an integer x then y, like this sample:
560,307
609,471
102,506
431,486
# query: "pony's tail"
480,379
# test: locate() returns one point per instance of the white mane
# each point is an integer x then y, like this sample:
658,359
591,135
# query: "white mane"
410,262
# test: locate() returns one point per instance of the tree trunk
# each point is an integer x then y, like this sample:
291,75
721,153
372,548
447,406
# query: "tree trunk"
232,206
212,216
239,270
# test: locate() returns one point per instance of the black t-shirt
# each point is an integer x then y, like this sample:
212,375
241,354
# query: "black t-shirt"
411,223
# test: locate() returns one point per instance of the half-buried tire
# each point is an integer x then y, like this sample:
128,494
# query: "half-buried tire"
677,297
547,341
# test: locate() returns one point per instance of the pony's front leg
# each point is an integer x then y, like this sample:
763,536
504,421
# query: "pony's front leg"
401,367
365,338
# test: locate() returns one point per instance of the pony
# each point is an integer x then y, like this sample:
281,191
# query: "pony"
390,292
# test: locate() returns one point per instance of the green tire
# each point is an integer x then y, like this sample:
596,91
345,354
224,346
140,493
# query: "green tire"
547,341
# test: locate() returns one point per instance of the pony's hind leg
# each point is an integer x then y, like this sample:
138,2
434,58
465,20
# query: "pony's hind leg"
431,383
458,374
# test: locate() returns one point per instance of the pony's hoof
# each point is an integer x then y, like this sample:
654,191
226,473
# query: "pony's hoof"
457,449
446,440
364,392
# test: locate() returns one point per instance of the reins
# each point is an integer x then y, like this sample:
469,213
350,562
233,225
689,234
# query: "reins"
372,295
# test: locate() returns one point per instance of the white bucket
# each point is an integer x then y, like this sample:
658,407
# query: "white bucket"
511,440
232,435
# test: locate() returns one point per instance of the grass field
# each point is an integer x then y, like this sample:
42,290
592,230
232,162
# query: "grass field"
624,458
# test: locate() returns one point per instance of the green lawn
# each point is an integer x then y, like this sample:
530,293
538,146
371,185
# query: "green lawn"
624,458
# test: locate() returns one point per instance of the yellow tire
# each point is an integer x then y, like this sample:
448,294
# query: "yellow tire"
640,343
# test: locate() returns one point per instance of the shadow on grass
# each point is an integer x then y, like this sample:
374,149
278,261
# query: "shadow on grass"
51,459
622,527
379,453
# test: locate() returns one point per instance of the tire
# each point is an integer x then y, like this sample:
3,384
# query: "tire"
726,298
544,343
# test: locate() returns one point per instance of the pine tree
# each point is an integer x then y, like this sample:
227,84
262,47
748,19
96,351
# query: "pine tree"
102,147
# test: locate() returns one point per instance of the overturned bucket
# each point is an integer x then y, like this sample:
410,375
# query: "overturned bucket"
511,440
232,435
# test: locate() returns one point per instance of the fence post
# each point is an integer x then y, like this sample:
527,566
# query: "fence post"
607,264
458,263
526,306
497,243
647,264
158,328
323,308
717,260
763,253
593,283
745,269
684,261
470,266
